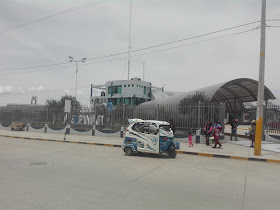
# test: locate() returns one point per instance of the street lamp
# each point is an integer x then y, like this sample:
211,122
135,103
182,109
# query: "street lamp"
71,59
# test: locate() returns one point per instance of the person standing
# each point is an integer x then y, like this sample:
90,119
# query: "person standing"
208,130
190,140
234,126
217,134
172,126
252,132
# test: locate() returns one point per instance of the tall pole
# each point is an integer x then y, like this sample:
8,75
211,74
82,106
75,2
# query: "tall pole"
143,71
76,78
129,42
259,123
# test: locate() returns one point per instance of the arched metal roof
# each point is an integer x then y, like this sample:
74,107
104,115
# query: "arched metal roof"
233,93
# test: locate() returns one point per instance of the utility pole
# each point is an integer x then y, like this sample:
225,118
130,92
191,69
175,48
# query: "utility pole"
71,59
259,123
143,71
129,42
76,79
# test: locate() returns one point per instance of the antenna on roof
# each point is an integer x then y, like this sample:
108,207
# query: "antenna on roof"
129,42
144,71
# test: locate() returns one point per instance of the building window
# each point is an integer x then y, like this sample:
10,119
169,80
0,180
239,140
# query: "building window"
119,89
115,89
132,85
144,90
128,85
124,85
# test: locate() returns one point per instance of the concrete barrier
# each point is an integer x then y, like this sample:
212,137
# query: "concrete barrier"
86,133
115,134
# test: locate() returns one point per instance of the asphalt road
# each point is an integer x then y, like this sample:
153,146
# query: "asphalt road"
52,175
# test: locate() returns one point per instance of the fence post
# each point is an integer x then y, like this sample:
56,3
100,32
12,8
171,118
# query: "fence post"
265,121
198,116
94,121
157,111
47,118
14,115
222,111
123,113
29,114
28,124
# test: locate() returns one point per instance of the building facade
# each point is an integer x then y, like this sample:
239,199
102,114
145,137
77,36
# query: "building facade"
129,92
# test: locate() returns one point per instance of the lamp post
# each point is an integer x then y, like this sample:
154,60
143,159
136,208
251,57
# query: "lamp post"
71,59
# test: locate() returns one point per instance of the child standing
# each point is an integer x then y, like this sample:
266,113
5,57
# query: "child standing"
190,140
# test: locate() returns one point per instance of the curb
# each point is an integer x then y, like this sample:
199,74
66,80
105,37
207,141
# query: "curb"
178,151
228,157
66,141
238,135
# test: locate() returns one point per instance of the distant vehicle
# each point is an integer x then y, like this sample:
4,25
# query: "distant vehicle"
149,136
17,125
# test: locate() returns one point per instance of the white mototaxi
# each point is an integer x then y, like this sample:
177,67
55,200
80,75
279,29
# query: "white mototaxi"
149,136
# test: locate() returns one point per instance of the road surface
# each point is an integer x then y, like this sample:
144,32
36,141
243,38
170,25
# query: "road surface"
53,175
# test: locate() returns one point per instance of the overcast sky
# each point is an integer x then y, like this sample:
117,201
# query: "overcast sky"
101,29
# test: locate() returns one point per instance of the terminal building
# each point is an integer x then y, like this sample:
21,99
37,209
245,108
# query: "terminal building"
130,92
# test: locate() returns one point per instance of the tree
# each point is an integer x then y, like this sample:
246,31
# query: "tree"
56,109
195,99
59,104
189,107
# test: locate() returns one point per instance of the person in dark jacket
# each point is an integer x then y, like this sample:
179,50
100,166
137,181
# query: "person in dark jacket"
234,126
208,130
172,126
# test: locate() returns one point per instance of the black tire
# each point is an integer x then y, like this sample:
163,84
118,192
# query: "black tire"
172,153
128,151
12,129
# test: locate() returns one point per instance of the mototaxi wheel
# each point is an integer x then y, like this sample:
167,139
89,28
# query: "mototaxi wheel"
172,153
128,151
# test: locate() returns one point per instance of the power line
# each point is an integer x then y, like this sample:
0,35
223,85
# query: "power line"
48,91
160,50
25,72
71,9
197,36
179,40
202,41
116,54
34,67
140,49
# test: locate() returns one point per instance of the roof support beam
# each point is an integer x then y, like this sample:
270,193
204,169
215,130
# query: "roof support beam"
225,100
236,96
247,89
266,96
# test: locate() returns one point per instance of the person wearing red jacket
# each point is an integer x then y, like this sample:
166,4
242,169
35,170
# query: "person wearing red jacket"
217,133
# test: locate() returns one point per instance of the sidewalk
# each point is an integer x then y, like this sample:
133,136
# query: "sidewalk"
233,150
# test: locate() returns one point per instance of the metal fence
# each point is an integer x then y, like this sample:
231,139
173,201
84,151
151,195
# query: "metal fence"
272,119
187,118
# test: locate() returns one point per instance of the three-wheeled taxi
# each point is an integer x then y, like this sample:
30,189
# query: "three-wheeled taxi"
149,136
